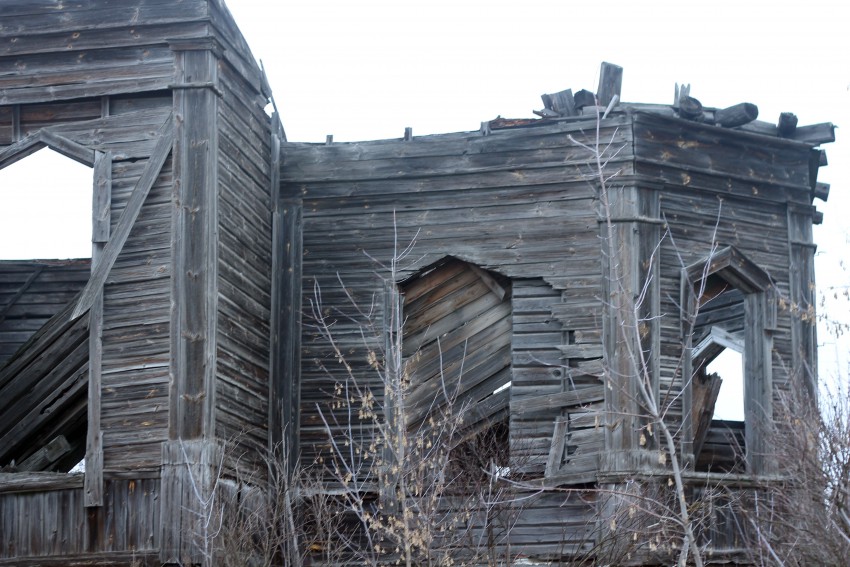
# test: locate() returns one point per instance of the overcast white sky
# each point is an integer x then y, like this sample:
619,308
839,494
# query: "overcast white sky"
366,70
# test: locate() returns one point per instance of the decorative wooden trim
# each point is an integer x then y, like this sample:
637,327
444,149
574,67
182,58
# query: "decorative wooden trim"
45,138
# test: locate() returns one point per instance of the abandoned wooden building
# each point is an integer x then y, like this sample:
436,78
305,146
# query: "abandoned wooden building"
559,264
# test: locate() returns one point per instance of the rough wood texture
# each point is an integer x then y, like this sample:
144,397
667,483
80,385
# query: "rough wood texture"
95,80
44,519
30,293
457,195
204,260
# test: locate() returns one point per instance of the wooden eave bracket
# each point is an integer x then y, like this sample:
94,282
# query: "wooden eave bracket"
128,218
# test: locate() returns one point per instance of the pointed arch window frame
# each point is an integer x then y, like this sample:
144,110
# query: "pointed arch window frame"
738,271
109,242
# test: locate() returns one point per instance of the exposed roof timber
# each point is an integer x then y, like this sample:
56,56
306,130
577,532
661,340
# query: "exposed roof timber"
565,104
714,343
21,291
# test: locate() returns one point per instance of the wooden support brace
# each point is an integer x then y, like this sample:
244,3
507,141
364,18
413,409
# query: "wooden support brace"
47,455
101,198
127,219
21,149
556,449
68,148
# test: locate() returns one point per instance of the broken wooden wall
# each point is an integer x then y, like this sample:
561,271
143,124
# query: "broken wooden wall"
741,190
31,293
100,83
522,202
517,202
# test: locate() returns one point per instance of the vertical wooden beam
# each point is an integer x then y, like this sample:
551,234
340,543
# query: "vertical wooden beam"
16,122
391,324
285,389
194,240
649,266
194,297
101,199
621,272
688,305
758,383
801,251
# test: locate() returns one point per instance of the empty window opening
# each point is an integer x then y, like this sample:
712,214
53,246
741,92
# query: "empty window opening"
45,208
45,247
736,311
729,365
718,364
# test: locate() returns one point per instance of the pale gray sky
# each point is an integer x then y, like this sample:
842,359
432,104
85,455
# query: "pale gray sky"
366,70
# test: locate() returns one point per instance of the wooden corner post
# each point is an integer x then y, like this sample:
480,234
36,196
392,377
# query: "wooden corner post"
191,455
284,385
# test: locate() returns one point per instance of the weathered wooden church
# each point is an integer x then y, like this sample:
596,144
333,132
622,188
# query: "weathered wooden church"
567,271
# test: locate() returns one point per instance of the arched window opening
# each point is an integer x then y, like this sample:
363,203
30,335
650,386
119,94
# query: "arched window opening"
45,208
728,396
729,365
45,260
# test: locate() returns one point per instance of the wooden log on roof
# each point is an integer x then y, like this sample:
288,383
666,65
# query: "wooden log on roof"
787,124
584,98
815,134
610,83
562,103
736,115
690,109
45,457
